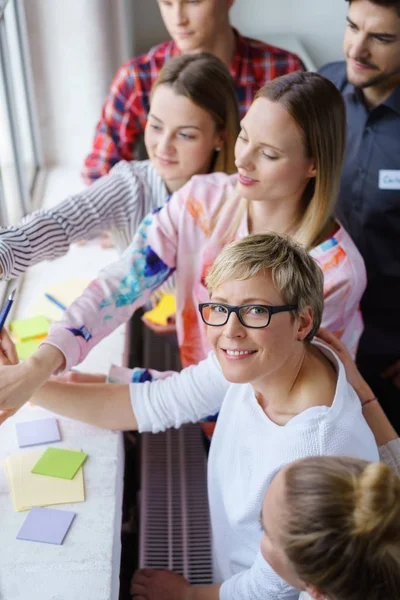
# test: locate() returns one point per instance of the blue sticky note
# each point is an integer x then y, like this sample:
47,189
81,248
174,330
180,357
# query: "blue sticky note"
42,431
47,525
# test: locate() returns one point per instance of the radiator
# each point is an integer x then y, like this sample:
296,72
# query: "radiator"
175,528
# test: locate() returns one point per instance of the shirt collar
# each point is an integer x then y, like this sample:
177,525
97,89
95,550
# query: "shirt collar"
393,101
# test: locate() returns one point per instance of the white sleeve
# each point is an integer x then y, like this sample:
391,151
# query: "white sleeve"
260,582
188,396
390,454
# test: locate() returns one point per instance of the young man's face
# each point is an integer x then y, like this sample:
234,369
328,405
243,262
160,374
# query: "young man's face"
194,24
372,45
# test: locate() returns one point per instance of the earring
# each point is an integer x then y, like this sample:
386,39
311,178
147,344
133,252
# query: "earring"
299,340
218,149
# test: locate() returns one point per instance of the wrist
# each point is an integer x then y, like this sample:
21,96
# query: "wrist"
368,401
45,361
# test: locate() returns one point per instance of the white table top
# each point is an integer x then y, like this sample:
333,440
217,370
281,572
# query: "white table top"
86,566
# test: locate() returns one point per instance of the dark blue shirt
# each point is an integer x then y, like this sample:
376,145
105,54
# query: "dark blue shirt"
369,207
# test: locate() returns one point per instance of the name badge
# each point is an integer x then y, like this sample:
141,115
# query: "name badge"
389,179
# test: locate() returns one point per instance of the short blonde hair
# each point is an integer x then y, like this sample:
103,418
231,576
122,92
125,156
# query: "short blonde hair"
295,273
342,527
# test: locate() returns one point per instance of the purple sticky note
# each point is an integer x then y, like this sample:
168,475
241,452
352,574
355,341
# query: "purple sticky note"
47,525
42,431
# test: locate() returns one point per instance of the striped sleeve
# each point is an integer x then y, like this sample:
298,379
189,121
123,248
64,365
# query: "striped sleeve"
119,200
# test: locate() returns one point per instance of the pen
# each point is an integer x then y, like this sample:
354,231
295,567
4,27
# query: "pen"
6,309
55,301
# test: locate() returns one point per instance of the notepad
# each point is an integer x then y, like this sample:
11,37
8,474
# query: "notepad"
47,525
41,431
58,462
164,309
28,490
26,329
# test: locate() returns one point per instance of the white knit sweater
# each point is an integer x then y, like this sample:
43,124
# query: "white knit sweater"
247,450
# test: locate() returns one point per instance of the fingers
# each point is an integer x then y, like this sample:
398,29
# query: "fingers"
330,338
8,349
140,579
6,414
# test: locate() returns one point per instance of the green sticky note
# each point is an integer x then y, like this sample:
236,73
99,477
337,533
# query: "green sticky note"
26,348
58,462
26,329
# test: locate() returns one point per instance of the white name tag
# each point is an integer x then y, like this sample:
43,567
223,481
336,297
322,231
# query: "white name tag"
389,180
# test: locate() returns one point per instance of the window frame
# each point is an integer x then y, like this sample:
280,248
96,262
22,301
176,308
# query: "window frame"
29,192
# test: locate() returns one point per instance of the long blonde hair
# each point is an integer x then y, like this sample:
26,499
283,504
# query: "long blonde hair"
342,527
206,81
317,107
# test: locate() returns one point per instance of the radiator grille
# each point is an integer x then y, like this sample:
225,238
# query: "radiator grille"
174,519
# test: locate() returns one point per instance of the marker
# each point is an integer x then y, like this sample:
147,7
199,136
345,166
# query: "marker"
55,301
6,309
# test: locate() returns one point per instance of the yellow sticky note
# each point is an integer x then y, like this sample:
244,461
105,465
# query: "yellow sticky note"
65,292
25,348
28,489
33,327
164,309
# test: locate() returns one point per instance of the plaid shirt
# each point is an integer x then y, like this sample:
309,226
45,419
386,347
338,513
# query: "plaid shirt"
125,110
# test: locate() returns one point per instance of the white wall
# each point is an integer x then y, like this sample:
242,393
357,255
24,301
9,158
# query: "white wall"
76,50
318,23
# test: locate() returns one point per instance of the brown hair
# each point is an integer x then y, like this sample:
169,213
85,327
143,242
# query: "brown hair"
294,272
342,527
317,107
206,81
385,3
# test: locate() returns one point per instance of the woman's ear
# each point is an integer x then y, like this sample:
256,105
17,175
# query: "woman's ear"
312,171
305,321
314,593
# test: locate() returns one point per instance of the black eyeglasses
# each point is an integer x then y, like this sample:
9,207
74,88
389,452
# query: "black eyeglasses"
255,316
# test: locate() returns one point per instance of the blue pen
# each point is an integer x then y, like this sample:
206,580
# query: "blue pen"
55,301
6,309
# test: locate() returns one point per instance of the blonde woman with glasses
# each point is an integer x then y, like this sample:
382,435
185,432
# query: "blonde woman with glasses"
281,397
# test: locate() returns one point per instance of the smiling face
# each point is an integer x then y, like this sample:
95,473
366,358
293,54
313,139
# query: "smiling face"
270,155
249,355
180,137
195,24
372,45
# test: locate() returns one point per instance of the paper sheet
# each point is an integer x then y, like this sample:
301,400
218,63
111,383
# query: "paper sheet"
47,525
59,462
26,329
164,309
28,489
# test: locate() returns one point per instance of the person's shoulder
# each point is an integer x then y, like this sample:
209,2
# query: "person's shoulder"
335,72
264,48
157,54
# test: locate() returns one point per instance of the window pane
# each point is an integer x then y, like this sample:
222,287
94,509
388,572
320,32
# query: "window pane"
20,95
11,209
